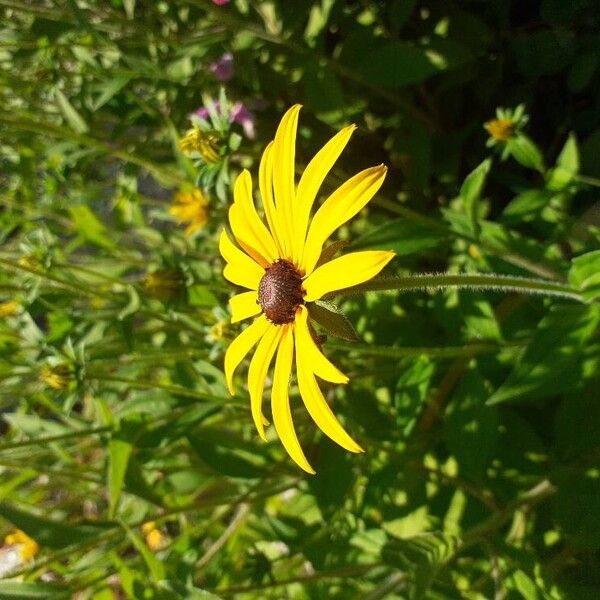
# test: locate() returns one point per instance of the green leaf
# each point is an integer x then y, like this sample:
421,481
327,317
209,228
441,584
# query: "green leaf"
421,557
471,189
89,227
133,303
109,90
49,533
585,274
331,318
334,478
119,451
331,251
20,590
73,118
552,361
524,151
567,166
471,427
187,592
577,506
227,454
402,236
411,393
526,206
396,65
577,426
154,565
200,295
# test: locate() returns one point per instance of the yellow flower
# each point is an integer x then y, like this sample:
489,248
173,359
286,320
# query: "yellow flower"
28,548
10,308
164,284
202,142
155,540
57,377
278,265
190,207
216,332
500,129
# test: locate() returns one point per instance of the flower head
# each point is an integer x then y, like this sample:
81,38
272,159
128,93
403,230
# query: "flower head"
222,68
238,113
164,284
190,207
220,2
57,376
507,124
277,262
155,540
205,143
500,129
9,308
26,546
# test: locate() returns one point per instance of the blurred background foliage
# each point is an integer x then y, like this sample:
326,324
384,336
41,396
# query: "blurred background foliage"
128,472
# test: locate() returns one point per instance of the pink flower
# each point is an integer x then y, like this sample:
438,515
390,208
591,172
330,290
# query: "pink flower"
220,2
222,68
238,114
242,116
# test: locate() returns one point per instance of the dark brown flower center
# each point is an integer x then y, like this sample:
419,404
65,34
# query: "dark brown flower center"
280,292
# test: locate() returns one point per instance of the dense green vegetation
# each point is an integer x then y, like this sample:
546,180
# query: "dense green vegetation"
126,468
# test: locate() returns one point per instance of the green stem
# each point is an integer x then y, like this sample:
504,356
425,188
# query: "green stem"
54,438
396,352
173,389
57,280
588,180
470,281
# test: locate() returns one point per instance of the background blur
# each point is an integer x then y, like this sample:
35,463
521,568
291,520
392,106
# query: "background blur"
127,471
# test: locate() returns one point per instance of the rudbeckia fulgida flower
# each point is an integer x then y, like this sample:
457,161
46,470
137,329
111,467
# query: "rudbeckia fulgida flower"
276,260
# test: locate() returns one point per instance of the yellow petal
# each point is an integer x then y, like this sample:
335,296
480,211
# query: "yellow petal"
284,151
341,206
280,401
315,403
249,230
241,345
265,182
344,272
259,366
317,360
243,306
240,268
313,177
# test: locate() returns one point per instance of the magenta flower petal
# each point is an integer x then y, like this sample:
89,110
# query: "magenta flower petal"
222,68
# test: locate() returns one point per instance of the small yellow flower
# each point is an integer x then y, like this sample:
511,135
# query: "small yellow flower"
500,129
27,547
190,207
205,143
216,332
155,540
277,262
164,284
57,377
29,262
10,308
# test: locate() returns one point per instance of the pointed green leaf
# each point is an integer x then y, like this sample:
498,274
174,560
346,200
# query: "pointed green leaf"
49,533
73,118
331,318
119,451
471,189
524,151
585,274
553,360
20,590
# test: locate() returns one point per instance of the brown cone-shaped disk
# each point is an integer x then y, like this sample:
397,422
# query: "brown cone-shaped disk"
280,292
